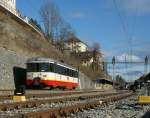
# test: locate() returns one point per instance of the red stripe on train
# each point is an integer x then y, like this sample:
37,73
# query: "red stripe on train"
55,83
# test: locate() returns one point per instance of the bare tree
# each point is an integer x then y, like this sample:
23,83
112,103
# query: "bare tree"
96,55
51,19
65,32
96,46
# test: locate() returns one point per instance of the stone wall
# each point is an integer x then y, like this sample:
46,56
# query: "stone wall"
11,66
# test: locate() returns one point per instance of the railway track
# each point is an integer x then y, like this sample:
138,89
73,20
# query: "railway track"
52,94
55,99
65,111
78,103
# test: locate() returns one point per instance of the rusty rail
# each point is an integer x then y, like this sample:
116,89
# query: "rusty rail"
65,111
35,103
4,97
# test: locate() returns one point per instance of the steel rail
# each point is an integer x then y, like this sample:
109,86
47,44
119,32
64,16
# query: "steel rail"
65,111
8,97
35,103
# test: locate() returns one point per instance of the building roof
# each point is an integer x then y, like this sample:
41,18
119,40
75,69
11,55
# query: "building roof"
105,77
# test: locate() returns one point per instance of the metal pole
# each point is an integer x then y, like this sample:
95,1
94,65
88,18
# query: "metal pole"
113,63
145,69
113,75
146,63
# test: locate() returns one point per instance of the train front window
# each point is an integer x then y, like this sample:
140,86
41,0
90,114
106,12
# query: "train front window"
32,67
46,67
40,67
43,67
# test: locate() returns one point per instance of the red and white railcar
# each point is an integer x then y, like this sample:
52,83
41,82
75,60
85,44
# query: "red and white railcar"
47,72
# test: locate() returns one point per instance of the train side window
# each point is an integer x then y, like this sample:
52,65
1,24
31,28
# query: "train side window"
62,70
58,69
55,68
69,72
65,71
76,74
51,67
72,73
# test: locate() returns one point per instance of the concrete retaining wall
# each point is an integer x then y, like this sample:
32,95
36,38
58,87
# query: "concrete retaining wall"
85,82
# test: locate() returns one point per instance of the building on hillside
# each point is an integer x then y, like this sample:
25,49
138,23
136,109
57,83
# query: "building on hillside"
10,5
75,45
87,58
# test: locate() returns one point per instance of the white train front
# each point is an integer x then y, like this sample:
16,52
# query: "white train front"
46,72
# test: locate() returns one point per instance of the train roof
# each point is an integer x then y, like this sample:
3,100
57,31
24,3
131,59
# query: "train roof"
40,59
49,60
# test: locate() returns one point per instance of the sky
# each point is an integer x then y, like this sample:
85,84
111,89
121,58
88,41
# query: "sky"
119,26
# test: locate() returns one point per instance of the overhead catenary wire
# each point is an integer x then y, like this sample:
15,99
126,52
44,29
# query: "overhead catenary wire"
128,35
124,26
